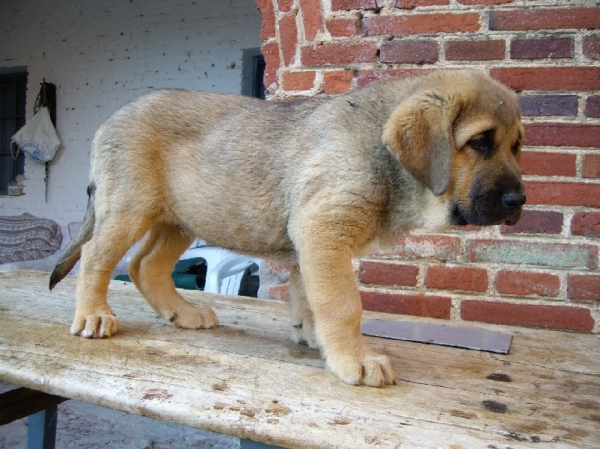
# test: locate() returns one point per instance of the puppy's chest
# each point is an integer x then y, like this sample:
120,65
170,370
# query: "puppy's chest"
426,213
433,213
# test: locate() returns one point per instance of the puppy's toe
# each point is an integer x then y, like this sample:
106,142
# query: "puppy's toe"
77,326
195,318
378,371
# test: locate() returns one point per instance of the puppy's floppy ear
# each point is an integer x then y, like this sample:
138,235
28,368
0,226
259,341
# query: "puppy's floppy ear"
420,133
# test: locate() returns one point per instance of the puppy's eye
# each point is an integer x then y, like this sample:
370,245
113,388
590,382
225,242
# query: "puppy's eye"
515,148
477,143
483,143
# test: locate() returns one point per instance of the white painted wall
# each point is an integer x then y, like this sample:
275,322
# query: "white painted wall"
102,54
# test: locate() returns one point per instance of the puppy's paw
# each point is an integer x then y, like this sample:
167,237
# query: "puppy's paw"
194,318
302,320
370,369
303,333
100,325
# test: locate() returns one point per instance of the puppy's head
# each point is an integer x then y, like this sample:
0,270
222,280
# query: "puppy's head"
460,134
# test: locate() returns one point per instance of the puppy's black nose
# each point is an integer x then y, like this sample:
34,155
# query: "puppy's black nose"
514,199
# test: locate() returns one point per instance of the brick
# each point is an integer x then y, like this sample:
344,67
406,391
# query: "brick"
457,278
416,305
298,80
339,54
412,4
442,248
421,24
475,50
466,228
279,269
536,222
288,34
563,193
484,2
337,81
544,19
542,48
562,135
520,283
548,78
586,223
279,292
592,106
549,105
267,30
366,77
520,252
343,27
285,5
591,47
584,287
548,164
312,18
347,5
385,273
409,52
549,317
591,166
270,51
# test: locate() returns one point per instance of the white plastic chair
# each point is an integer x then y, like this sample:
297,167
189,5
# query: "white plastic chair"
224,269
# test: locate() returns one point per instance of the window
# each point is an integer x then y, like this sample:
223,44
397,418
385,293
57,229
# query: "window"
253,73
12,118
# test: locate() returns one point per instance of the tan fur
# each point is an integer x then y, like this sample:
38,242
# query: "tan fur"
313,183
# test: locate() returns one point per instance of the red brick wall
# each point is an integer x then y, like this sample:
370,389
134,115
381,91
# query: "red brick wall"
544,271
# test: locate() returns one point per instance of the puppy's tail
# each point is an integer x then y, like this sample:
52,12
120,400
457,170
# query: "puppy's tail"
72,252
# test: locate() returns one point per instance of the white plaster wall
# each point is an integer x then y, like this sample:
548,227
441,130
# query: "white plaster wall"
102,54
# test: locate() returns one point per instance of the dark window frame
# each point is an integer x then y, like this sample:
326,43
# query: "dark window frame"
13,91
253,73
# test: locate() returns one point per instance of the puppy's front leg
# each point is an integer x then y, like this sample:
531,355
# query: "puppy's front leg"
334,298
301,315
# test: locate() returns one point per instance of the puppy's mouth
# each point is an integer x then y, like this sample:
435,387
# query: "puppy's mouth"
514,218
460,217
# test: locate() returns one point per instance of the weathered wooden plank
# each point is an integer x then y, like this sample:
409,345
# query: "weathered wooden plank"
247,379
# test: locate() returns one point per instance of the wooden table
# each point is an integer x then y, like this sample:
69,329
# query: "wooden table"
247,379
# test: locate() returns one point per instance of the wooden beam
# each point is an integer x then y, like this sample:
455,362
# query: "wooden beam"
21,402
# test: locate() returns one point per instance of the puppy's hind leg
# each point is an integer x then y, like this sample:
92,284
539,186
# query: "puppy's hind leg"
99,256
150,269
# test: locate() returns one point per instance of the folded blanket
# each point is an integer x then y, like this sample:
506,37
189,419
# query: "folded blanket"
25,237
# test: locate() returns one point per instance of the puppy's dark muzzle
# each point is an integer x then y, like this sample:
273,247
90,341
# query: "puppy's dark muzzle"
502,204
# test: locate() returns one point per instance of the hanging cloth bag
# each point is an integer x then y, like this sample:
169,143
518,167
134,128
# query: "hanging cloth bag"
38,137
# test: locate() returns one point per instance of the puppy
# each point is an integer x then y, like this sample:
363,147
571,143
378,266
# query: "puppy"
313,183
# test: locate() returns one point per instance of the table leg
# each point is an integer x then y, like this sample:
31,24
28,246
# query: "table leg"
41,433
249,444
